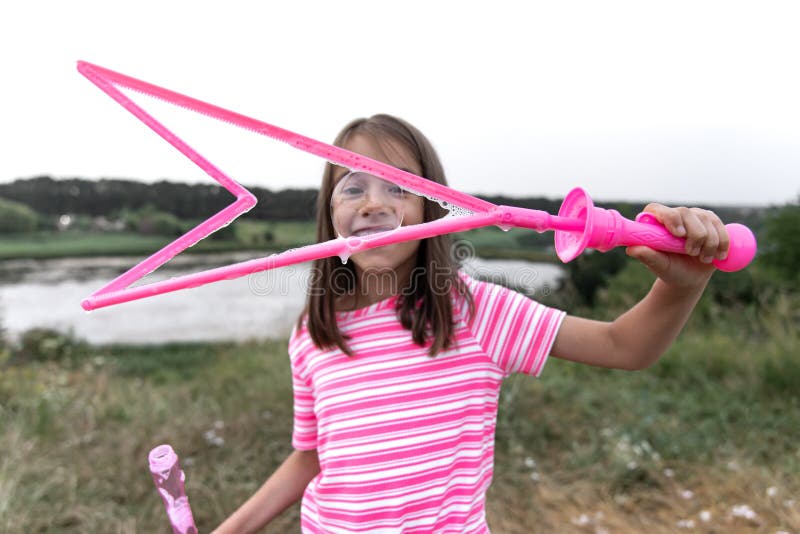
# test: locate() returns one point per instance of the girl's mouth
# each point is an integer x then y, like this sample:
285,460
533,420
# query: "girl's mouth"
373,230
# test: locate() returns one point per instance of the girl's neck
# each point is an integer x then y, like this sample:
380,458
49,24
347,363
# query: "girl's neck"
375,285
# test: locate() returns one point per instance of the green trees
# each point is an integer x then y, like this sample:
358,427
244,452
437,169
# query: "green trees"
16,217
781,251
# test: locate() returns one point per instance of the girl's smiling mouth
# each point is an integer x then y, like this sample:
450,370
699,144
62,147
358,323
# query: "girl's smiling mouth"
372,230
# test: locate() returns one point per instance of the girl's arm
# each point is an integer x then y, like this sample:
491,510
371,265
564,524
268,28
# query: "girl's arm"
637,338
281,490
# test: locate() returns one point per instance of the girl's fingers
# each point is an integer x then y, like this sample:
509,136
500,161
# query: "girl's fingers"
696,231
710,246
706,236
724,239
669,217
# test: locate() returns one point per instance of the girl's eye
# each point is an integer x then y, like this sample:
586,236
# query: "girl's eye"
352,191
396,190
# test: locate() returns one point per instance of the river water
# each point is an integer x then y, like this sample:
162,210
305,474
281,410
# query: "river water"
47,293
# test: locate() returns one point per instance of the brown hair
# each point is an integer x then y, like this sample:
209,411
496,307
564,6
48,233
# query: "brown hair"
422,307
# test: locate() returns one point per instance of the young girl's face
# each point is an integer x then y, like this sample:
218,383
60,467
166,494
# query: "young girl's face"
379,204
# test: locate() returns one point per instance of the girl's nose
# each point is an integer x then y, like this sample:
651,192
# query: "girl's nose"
377,201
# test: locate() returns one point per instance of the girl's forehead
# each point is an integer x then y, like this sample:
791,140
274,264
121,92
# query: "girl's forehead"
385,150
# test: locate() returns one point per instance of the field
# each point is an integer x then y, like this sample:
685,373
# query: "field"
248,235
708,438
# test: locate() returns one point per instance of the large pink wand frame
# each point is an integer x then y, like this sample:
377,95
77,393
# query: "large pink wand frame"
578,225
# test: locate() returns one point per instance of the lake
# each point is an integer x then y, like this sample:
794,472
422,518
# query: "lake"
47,293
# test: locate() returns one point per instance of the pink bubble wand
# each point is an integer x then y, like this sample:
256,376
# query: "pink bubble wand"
169,480
578,225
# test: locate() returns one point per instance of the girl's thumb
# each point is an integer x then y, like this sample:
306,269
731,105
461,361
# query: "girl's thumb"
656,261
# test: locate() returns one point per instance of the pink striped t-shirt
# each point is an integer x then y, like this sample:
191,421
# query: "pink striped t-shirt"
406,441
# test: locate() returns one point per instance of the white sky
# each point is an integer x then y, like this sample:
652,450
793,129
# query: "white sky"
676,102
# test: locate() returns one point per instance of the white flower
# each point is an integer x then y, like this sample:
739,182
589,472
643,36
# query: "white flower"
772,491
743,511
632,465
733,466
535,476
581,520
789,503
705,516
669,473
601,530
686,494
219,425
530,463
686,523
212,438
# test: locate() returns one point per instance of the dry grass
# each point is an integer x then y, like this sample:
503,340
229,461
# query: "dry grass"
613,452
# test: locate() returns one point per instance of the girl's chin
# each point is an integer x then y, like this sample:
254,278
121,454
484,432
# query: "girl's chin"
376,260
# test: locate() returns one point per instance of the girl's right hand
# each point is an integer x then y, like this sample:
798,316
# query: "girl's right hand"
706,240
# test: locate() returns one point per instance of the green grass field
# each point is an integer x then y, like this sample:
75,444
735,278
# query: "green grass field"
713,428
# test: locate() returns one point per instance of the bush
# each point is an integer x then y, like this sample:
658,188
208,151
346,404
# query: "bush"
592,270
150,221
16,218
45,344
782,241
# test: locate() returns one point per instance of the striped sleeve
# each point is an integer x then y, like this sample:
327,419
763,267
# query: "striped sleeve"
516,332
304,430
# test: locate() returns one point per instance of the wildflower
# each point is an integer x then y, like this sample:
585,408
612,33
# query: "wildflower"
789,503
530,463
219,425
686,494
686,523
669,473
581,521
632,465
212,438
772,491
744,511
705,516
535,476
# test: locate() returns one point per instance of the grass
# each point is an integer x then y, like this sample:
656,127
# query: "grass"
83,243
714,425
249,235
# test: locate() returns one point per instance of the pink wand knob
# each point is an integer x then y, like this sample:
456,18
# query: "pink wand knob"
605,229
742,249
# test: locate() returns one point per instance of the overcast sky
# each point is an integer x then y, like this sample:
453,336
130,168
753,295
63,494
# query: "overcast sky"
679,102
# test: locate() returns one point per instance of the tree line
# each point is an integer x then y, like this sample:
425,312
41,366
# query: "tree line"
108,197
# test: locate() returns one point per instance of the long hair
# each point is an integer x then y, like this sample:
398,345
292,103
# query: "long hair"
422,306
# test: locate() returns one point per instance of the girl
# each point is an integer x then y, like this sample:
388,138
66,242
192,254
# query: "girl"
398,357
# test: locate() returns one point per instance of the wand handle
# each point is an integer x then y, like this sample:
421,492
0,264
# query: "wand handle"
604,229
